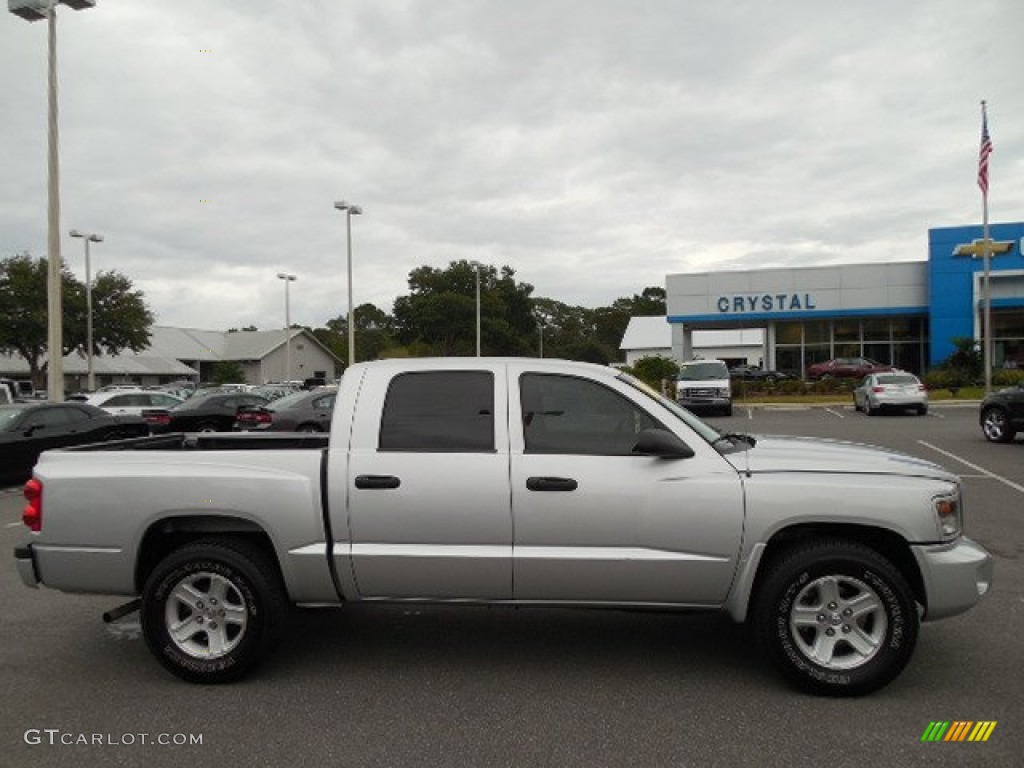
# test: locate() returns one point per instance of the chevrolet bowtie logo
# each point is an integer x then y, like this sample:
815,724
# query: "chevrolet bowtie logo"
978,248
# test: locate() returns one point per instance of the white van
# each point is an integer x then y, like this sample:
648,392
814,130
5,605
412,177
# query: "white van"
704,385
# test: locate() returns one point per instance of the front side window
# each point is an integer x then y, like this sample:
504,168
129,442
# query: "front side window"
567,415
439,412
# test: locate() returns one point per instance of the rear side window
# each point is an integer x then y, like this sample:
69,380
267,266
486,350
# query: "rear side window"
439,412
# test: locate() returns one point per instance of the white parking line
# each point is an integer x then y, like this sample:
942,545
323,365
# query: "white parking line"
982,470
835,413
13,525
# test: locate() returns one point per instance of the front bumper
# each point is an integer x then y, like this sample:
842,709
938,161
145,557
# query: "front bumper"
956,576
26,560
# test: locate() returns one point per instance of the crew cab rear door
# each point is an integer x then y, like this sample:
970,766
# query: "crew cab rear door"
596,523
428,486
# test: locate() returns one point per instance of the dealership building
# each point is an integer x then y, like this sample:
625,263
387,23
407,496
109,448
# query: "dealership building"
904,313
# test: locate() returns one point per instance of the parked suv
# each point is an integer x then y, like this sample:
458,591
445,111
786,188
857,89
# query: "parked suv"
704,385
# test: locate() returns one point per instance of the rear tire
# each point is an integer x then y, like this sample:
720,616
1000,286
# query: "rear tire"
995,424
309,428
213,609
836,618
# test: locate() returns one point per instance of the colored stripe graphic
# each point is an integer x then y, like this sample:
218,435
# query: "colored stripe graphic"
982,731
959,730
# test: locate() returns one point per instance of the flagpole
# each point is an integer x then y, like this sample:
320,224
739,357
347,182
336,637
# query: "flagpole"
986,254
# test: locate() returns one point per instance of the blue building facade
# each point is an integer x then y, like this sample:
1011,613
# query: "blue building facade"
956,295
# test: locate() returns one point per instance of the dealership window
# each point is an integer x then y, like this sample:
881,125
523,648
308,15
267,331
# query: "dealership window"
898,341
818,332
846,331
789,333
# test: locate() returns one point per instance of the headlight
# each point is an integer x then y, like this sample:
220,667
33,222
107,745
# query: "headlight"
949,512
725,392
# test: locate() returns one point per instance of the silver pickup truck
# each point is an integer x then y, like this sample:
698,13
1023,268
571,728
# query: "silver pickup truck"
507,481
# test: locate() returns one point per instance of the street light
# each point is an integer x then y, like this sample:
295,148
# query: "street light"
476,264
37,10
288,279
89,238
350,211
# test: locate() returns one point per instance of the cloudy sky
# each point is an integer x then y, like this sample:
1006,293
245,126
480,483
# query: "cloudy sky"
594,146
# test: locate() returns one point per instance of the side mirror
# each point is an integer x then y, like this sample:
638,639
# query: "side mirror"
663,444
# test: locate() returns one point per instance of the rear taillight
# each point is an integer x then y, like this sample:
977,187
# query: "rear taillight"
32,515
254,417
160,419
876,390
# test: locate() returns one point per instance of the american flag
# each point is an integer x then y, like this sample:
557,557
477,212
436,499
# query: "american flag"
984,151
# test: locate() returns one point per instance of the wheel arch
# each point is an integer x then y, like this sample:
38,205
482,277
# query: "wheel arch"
165,536
887,543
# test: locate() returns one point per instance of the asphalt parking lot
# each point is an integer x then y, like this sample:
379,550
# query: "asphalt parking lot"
420,686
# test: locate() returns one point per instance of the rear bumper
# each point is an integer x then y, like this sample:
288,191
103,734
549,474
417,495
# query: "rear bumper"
956,576
25,558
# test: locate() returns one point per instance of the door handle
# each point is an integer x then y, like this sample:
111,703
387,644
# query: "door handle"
375,482
551,484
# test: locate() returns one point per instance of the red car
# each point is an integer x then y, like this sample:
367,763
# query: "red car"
846,368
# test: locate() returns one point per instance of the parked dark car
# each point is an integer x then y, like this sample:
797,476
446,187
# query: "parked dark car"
28,429
1002,414
846,368
753,373
213,412
299,412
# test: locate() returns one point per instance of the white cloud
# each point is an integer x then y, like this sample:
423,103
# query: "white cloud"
593,146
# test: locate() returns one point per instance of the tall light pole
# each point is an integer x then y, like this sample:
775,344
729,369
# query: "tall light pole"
37,10
350,211
89,238
288,279
477,265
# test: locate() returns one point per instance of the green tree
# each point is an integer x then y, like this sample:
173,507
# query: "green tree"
440,311
228,372
121,318
966,364
653,369
374,333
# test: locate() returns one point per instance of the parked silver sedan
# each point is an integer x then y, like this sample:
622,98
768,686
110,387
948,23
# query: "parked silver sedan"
890,390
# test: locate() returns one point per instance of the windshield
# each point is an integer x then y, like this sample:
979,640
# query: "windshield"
703,371
709,433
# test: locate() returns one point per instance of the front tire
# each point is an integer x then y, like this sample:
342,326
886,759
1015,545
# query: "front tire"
836,618
995,424
212,610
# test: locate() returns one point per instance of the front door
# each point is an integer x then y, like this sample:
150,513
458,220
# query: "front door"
595,523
